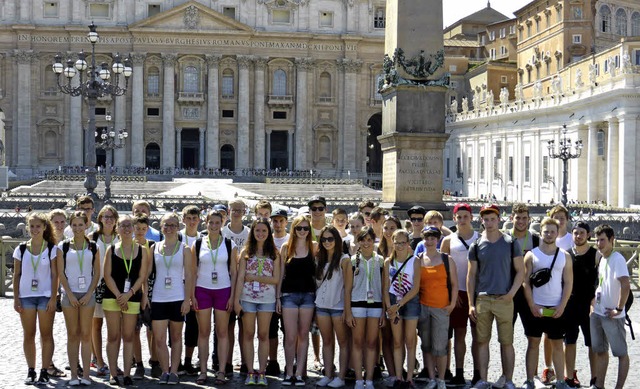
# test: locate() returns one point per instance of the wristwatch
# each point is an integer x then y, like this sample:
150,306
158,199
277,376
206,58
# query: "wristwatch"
618,309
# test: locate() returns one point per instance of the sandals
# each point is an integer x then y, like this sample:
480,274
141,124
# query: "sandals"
202,379
220,381
53,371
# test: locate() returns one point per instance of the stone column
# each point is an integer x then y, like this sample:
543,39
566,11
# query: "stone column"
26,153
579,184
349,114
76,127
268,149
302,138
612,163
201,148
244,61
213,113
592,163
258,114
178,146
120,122
290,149
136,134
168,100
627,157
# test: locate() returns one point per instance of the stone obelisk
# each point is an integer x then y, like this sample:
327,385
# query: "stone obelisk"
413,113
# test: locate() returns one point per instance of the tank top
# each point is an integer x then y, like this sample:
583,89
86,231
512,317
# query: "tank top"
258,292
368,279
119,274
433,286
549,294
77,278
169,266
208,270
404,281
460,255
330,293
298,275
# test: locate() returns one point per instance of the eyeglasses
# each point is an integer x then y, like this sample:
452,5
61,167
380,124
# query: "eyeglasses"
303,228
108,217
399,243
330,239
317,209
170,225
417,219
126,225
367,214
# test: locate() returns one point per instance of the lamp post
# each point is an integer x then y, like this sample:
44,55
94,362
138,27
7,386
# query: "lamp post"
94,82
110,139
564,153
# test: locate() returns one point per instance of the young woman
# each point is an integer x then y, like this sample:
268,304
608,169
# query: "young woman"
258,275
356,222
390,225
104,237
297,293
35,283
125,270
214,290
363,307
79,273
402,302
170,301
330,268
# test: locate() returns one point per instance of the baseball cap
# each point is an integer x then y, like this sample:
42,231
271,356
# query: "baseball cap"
583,225
431,231
417,209
317,199
279,212
462,207
490,208
221,207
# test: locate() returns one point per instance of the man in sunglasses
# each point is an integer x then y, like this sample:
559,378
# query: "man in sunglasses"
416,215
365,208
317,208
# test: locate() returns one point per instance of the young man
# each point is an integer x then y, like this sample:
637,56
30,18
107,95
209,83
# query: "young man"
491,286
547,300
84,204
279,220
433,219
457,246
416,216
577,312
608,309
262,209
365,208
317,209
191,220
142,206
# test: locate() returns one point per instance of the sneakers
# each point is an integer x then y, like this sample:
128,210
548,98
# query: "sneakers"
94,363
377,372
44,377
500,382
561,384
114,381
288,381
509,385
127,381
458,380
448,376
228,370
138,374
324,381
359,384
368,385
31,377
423,376
182,370
573,382
156,371
389,382
299,381
190,369
250,381
243,369
548,375
273,369
441,384
528,384
481,384
103,371
476,377
163,378
173,379
433,384
336,383
538,384
261,380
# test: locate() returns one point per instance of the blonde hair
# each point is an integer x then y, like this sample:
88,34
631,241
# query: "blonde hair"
433,215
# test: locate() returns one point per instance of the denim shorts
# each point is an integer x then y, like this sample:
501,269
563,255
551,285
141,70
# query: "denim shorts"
364,312
298,300
37,303
329,312
409,311
249,307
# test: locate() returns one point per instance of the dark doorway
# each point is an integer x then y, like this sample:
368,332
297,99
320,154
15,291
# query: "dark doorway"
190,142
101,155
374,150
152,156
279,151
227,157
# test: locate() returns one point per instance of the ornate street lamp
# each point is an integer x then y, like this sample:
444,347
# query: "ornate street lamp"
94,82
110,139
564,153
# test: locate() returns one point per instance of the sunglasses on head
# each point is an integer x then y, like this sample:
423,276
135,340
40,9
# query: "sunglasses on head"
315,209
329,239
303,228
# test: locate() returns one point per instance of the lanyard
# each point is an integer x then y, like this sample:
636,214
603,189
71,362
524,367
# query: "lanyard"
214,259
168,264
36,264
260,264
124,258
80,256
606,269
526,238
369,271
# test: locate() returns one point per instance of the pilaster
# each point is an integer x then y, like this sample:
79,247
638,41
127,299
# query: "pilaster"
168,122
137,110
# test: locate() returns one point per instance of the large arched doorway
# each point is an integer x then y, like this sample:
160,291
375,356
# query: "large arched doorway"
152,156
227,157
374,151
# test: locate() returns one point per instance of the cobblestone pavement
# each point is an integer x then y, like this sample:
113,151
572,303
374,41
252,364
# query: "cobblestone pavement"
13,369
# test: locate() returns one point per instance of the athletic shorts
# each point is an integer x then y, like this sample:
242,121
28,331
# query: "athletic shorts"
576,317
167,311
212,298
534,327
111,305
66,303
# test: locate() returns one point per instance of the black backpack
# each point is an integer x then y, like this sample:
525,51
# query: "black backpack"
65,249
445,262
227,243
23,249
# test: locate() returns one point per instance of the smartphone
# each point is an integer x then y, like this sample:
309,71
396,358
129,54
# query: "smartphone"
548,312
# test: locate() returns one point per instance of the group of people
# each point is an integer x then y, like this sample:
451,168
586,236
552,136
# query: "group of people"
367,280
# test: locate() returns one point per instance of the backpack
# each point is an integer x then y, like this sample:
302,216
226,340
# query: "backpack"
227,243
445,262
23,249
66,245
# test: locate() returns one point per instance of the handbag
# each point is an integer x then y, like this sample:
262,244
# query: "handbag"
542,276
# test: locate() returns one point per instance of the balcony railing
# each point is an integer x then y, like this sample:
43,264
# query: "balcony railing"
190,97
280,100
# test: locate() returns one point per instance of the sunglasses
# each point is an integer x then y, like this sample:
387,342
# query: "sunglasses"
316,209
330,239
302,228
367,214
417,219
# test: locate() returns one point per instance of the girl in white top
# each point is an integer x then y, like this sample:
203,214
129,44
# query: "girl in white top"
35,284
170,301
403,307
216,271
330,269
258,275
79,275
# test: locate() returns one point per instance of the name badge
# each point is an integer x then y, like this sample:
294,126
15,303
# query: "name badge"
82,283
598,297
370,297
34,285
256,286
214,277
167,282
127,286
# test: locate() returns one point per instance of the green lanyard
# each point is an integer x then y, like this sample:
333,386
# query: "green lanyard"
526,238
369,273
36,264
260,264
214,259
124,258
606,269
168,264
80,257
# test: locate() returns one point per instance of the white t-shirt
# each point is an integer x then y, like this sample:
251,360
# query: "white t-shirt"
207,270
460,255
238,239
68,233
41,275
169,285
280,241
72,268
549,294
565,242
189,240
609,270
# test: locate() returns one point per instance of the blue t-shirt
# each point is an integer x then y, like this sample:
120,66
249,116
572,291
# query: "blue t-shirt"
153,234
495,264
420,248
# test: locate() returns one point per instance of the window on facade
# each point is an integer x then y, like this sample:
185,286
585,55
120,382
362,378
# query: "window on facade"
326,19
281,16
100,111
606,66
379,18
279,114
279,83
504,80
510,174
521,35
227,84
99,10
447,163
576,11
458,167
528,30
527,169
503,50
621,22
637,57
153,9
537,25
492,36
153,111
153,81
469,166
597,69
492,53
50,9
512,29
229,12
635,24
548,66
600,140
503,32
482,168
558,15
605,19
50,80
191,79
545,169
547,18
325,85
577,38
227,113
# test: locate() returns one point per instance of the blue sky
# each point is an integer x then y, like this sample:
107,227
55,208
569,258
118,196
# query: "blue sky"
455,10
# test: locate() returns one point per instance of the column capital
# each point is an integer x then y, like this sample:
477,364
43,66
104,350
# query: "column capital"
260,62
244,61
349,65
202,130
24,57
212,59
268,131
137,59
304,64
178,130
169,59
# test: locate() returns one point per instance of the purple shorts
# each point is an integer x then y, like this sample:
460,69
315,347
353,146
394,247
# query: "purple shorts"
212,298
